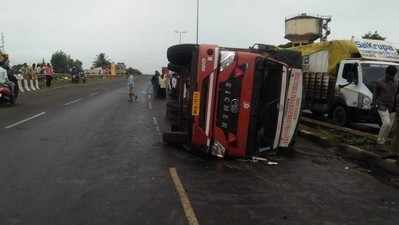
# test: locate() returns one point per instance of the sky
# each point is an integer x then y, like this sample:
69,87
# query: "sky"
138,32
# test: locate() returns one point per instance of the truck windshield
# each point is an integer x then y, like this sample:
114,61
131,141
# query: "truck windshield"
373,73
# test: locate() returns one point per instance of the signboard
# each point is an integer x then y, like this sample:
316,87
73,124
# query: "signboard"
292,108
376,50
196,103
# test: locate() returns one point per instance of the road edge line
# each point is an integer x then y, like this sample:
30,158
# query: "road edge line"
24,120
73,102
184,200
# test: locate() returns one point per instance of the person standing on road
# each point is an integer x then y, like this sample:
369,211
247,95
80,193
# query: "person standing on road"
130,84
162,86
155,84
48,71
33,74
385,102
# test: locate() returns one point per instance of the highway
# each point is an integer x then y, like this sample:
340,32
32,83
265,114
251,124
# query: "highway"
84,155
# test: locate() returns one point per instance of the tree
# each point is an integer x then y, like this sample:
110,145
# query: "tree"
75,63
374,36
101,61
63,63
60,61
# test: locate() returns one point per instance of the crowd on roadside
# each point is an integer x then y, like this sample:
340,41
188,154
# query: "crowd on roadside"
32,72
163,84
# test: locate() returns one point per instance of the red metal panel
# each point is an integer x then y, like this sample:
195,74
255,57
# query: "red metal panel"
207,57
236,143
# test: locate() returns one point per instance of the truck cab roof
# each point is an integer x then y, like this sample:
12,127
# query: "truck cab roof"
361,60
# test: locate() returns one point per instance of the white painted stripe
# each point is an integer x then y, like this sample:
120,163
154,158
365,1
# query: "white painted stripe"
185,201
211,95
25,120
281,107
149,105
73,102
209,106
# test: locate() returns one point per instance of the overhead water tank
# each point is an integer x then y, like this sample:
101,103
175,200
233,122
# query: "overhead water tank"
303,28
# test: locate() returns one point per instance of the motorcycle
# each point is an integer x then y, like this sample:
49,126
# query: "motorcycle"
75,79
83,77
6,95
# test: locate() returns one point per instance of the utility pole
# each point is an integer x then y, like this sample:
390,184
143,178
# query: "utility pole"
180,34
198,5
2,44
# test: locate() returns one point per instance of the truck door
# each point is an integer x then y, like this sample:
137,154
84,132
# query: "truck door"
347,84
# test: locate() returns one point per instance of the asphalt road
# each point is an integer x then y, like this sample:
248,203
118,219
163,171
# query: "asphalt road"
83,155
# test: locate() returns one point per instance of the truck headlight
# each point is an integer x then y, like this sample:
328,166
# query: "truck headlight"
364,102
226,59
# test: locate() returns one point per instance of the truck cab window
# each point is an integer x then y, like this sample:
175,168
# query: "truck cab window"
350,72
372,72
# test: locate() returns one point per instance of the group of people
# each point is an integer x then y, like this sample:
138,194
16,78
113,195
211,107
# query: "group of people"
32,72
159,84
386,97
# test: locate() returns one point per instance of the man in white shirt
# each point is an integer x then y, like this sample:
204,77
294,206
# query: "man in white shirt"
130,84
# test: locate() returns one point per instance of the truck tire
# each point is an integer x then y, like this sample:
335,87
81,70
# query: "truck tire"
340,115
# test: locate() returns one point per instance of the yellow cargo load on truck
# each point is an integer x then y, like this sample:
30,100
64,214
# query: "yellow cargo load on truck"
337,51
339,77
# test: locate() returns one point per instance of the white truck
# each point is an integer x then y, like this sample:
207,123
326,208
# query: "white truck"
340,76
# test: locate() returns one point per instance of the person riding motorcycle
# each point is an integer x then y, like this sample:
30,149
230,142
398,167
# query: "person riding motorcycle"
11,80
75,74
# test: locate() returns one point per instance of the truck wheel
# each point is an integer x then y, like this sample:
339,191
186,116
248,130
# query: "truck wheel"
340,115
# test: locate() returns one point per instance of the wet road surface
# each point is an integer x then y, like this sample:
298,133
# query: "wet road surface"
85,156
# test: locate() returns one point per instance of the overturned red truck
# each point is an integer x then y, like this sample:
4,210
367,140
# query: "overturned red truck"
234,102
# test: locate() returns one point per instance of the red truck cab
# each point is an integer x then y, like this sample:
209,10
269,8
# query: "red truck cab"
235,102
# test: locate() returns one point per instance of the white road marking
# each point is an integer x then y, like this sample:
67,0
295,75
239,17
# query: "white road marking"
185,201
154,119
25,120
73,102
149,105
